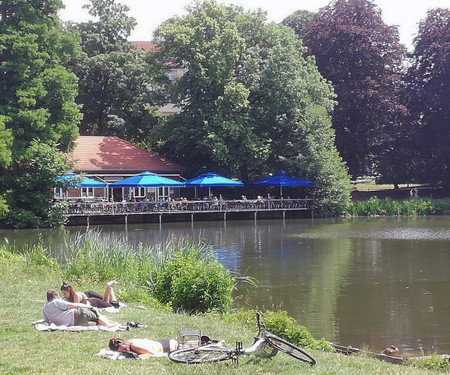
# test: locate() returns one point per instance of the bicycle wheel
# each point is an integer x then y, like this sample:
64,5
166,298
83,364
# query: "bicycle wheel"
290,349
199,355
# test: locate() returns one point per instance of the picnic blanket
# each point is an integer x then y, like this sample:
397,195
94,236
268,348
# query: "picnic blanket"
42,326
112,354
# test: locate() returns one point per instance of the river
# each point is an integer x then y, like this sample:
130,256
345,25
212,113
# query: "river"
366,282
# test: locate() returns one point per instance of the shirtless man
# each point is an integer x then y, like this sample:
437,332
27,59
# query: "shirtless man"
65,313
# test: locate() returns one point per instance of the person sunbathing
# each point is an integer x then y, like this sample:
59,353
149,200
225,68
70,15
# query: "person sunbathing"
143,346
63,313
90,297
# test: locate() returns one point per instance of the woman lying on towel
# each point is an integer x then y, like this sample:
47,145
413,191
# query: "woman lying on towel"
90,297
143,346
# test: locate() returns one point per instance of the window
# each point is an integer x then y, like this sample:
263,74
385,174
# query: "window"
87,192
58,193
139,192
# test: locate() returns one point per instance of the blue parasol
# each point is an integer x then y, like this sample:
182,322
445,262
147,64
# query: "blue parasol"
75,181
281,179
211,180
145,179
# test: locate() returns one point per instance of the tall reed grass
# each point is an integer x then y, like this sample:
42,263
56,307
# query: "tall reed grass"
388,207
101,257
184,275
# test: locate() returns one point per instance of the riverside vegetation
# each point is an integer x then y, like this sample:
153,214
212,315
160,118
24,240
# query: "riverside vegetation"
389,207
90,260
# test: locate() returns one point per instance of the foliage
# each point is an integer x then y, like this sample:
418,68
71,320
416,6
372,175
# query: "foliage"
36,107
427,79
32,178
37,100
389,207
434,362
94,257
362,58
191,284
185,275
282,325
114,77
250,103
298,20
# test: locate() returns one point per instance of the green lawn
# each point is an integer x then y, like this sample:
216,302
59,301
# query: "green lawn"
27,351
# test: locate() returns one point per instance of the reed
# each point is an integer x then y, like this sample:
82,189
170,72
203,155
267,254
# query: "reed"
388,207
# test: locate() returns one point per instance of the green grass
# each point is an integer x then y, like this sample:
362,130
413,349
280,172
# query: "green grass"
27,351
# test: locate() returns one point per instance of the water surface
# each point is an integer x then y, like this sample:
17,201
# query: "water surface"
359,282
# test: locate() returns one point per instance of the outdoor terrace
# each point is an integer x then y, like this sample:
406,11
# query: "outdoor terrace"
186,210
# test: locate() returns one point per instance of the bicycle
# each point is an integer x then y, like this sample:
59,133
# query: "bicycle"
265,345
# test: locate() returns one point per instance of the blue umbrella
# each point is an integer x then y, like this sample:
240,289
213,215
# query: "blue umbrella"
75,182
281,179
145,179
211,179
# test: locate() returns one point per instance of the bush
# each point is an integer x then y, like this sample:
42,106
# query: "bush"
282,325
434,362
192,284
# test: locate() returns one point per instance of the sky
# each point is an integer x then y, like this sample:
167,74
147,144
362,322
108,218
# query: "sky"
405,14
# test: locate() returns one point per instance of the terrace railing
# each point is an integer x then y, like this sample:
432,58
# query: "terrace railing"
84,207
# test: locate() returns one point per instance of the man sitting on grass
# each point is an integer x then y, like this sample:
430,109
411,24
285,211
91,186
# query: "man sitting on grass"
65,313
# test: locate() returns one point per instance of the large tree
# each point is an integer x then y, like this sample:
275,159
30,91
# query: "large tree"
250,103
116,91
37,93
298,20
362,57
428,82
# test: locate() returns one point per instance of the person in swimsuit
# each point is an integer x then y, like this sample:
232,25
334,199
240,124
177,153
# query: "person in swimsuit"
143,346
90,297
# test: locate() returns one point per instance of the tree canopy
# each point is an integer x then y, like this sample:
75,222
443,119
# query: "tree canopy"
37,106
117,90
362,57
428,80
249,101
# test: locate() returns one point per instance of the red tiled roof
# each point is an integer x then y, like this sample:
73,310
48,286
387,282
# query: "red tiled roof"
98,153
146,46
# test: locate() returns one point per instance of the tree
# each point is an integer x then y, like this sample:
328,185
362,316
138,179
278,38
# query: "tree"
298,20
37,92
362,57
428,80
249,101
116,91
34,176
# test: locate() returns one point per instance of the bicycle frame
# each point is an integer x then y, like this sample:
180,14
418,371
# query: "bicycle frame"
266,345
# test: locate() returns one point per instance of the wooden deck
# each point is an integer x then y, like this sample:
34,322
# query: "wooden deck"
96,213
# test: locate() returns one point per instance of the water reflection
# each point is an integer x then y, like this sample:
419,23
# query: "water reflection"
372,281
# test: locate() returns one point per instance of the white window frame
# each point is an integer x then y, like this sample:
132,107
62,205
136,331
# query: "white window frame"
87,192
58,193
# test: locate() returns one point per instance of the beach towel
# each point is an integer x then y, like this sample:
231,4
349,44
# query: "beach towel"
114,355
42,326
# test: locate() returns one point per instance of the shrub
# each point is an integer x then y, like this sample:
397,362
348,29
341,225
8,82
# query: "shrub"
192,284
434,362
383,207
282,325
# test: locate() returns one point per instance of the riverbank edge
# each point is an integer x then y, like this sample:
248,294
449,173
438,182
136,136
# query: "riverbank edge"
29,351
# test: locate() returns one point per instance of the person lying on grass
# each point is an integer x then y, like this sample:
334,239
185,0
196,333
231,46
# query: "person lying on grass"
90,297
143,346
65,313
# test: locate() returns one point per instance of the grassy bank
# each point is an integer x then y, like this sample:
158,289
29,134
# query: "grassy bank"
26,351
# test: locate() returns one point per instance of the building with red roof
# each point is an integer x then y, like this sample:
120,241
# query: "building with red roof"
109,159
